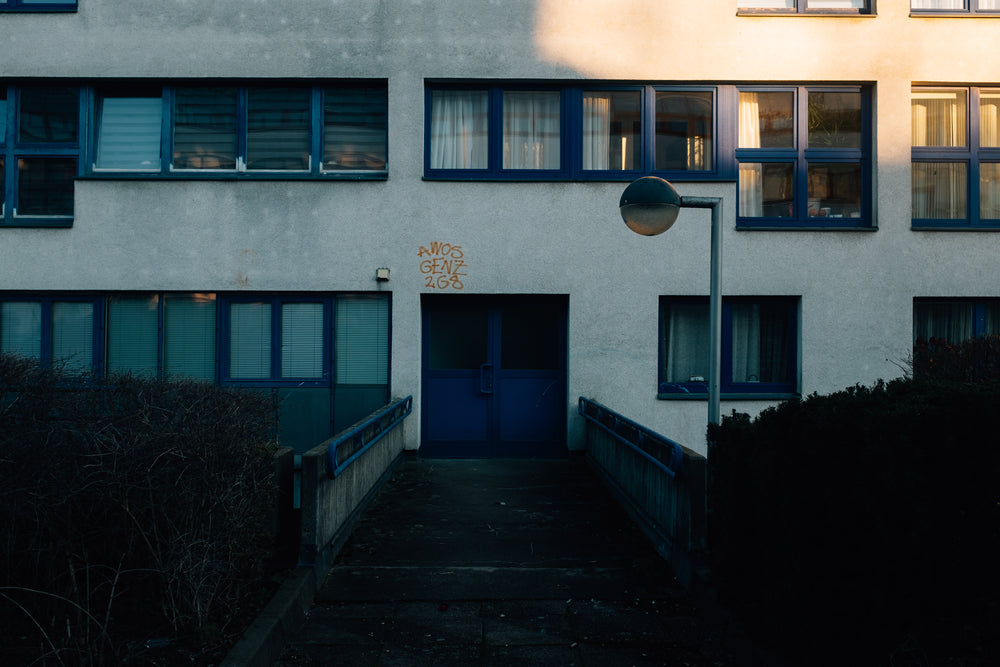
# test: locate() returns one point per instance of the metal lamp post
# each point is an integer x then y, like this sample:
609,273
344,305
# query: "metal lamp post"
649,206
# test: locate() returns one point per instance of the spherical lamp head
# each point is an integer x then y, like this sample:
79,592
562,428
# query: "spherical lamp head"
649,206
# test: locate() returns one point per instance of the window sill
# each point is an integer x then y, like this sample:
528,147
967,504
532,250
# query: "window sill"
953,227
825,13
769,226
954,15
726,396
40,221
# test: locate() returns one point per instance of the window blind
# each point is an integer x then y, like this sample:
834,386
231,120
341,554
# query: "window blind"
354,128
73,334
278,128
133,333
129,134
189,336
21,328
302,340
250,340
362,340
205,128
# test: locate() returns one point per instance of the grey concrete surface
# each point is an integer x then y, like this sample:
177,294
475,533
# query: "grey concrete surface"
502,562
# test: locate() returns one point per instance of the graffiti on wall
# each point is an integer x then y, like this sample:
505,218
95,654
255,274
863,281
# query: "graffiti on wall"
442,265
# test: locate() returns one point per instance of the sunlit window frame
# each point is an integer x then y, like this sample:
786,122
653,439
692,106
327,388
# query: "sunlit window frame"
21,6
972,155
166,170
802,8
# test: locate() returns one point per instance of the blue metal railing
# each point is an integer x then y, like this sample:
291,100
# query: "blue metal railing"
662,452
349,445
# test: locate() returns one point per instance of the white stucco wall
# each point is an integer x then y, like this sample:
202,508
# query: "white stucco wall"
563,238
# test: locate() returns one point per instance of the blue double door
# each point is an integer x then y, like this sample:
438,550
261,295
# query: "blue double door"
494,376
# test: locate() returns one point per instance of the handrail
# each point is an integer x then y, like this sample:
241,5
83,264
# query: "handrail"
662,452
365,434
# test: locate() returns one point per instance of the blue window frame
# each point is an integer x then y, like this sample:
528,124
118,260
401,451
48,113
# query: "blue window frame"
39,154
38,5
955,7
759,346
807,7
61,330
954,320
956,158
803,154
223,130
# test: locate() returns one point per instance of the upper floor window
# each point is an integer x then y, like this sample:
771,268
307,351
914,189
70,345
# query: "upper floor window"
803,157
956,6
956,157
38,5
808,6
39,154
275,131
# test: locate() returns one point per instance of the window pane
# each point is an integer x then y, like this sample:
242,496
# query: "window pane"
133,330
3,188
767,4
531,134
355,122
766,190
834,190
250,340
938,4
836,4
362,343
458,336
459,129
611,131
939,117
21,328
302,340
129,133
989,118
685,342
3,114
939,190
530,336
989,191
49,115
684,131
189,336
73,335
760,343
952,321
835,120
45,186
278,128
767,120
205,128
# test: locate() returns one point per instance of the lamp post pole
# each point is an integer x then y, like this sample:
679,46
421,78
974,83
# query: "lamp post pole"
649,206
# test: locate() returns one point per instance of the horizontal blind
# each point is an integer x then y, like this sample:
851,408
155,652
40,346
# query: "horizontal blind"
302,340
362,340
189,336
73,334
278,128
21,328
205,128
133,332
354,128
129,133
250,340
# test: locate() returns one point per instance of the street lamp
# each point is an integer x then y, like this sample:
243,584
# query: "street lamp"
649,206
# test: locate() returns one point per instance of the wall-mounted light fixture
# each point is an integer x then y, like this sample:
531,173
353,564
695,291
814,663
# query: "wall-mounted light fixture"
382,275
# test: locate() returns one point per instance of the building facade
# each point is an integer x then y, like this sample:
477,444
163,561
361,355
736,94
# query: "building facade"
338,202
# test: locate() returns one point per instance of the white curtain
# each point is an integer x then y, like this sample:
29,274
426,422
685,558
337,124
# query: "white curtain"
939,188
459,129
531,130
596,131
760,343
939,4
751,178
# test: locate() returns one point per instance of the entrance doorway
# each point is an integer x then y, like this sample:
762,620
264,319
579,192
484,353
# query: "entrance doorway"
494,376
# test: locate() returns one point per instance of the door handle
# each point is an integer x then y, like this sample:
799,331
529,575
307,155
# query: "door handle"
486,379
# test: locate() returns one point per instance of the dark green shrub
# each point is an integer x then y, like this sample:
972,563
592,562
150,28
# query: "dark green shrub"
861,520
132,511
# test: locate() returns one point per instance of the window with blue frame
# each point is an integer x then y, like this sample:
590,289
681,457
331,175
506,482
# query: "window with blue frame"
323,358
38,5
807,6
803,156
39,154
956,158
759,346
224,131
941,320
949,7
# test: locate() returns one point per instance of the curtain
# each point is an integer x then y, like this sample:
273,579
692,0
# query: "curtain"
250,340
950,320
531,132
21,328
686,342
751,177
362,340
760,343
939,188
189,336
129,133
133,332
596,131
459,129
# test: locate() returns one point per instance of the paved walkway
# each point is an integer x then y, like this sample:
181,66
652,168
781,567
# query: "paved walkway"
501,562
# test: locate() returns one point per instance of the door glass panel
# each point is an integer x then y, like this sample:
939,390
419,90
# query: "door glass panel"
458,336
529,337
